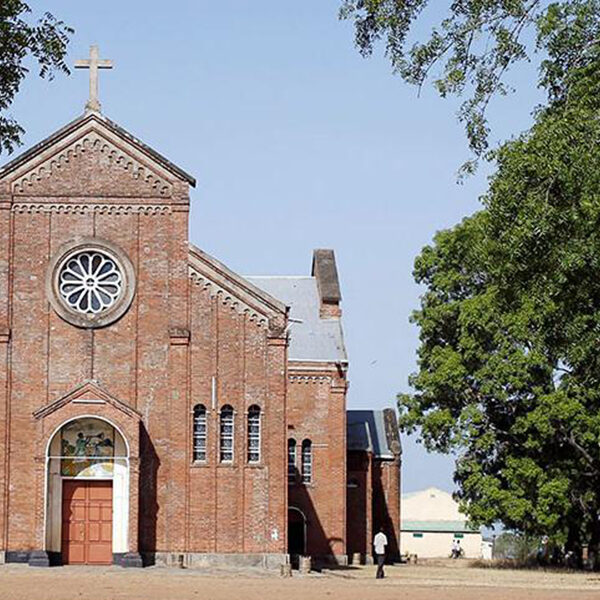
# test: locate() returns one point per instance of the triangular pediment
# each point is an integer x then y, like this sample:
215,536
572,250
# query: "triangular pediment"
236,291
92,157
88,393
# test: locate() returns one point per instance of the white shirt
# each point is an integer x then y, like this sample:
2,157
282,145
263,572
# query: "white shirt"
380,542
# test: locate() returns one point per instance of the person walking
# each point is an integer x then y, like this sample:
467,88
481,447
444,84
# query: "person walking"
379,543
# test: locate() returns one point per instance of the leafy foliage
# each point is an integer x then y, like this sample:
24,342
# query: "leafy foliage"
522,549
471,50
46,41
509,368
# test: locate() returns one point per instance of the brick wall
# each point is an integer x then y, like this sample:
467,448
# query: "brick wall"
386,502
317,411
159,358
360,504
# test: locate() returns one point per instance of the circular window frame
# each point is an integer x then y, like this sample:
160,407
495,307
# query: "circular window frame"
90,320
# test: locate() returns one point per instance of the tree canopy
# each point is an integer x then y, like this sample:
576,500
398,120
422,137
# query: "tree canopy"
508,364
45,40
472,47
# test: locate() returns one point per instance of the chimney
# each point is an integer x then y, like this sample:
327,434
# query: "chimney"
325,271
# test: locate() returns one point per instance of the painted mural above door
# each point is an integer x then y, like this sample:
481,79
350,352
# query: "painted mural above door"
87,448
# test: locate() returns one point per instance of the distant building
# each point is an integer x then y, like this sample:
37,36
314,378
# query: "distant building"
431,521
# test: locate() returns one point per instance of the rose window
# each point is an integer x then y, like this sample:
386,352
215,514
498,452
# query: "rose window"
90,282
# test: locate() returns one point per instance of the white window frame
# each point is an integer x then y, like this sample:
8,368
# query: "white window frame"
254,412
292,470
307,466
222,437
196,437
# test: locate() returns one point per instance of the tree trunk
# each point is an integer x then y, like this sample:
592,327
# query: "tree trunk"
594,543
573,544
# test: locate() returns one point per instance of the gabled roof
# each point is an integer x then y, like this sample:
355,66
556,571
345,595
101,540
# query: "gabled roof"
434,509
358,436
311,337
86,119
375,431
209,271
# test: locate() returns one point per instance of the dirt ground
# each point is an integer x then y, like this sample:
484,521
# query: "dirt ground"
438,581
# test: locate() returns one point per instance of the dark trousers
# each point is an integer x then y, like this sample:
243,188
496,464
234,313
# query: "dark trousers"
380,560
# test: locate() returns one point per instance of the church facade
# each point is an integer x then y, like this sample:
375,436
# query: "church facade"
154,405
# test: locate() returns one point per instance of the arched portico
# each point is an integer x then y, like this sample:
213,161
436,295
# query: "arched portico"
87,491
88,460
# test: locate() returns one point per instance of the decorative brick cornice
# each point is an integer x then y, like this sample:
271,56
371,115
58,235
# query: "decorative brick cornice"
179,336
93,142
83,208
309,379
227,299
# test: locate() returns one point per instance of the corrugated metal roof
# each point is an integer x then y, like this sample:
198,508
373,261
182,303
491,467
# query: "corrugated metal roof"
358,436
442,526
373,419
311,338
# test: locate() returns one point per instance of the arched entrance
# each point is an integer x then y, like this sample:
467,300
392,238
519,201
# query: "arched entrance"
87,502
296,533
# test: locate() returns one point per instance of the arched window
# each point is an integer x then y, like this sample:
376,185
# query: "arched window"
226,434
199,432
306,461
291,460
254,434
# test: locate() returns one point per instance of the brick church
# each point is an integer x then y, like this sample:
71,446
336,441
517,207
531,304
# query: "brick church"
155,406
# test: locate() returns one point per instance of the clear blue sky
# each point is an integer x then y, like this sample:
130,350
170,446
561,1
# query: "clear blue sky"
297,143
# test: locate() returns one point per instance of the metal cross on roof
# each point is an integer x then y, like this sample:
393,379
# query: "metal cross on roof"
93,63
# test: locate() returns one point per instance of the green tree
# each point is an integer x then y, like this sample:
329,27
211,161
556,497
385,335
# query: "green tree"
509,363
45,41
470,51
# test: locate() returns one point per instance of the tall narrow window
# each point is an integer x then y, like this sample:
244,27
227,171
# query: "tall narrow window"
307,461
291,460
254,434
199,432
226,434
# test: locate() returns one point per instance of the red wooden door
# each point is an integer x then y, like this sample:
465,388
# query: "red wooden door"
87,522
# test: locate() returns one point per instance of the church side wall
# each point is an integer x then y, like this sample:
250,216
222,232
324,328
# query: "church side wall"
317,411
236,507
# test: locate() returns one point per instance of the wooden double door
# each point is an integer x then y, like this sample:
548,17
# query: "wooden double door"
87,522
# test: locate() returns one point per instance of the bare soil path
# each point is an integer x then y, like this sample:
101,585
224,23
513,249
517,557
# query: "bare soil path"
443,581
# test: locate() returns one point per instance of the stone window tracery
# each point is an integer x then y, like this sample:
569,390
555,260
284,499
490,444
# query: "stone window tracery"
90,282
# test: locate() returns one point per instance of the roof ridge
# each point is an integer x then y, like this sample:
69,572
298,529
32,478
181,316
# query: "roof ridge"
279,276
116,129
260,295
